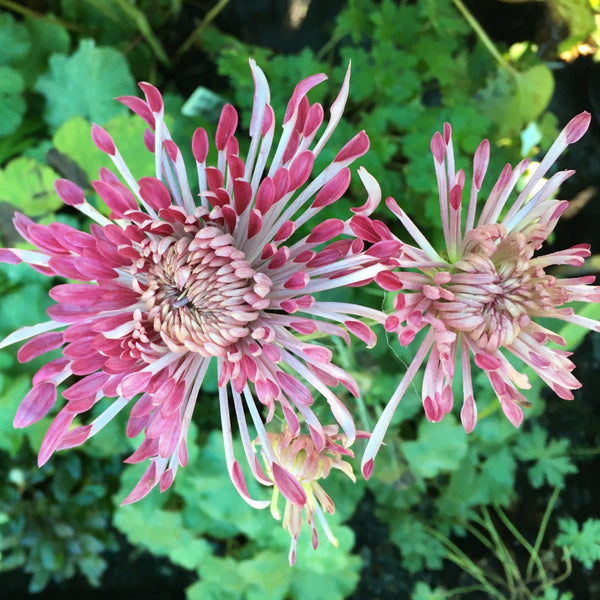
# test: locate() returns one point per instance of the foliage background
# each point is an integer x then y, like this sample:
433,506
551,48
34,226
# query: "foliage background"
499,513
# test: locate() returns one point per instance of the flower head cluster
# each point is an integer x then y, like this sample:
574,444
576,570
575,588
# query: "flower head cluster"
482,295
183,273
297,456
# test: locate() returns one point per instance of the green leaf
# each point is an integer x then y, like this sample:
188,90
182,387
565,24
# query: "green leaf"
49,38
552,464
85,84
577,15
14,39
12,391
422,591
584,545
29,187
419,549
439,447
12,105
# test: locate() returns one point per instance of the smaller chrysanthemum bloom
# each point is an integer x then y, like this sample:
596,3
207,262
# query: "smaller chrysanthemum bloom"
296,455
183,273
481,295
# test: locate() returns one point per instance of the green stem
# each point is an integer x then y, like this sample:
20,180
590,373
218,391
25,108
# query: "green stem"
461,560
28,12
542,530
533,553
504,556
210,16
483,36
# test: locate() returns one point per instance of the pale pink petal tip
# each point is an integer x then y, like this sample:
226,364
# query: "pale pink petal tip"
577,126
9,257
438,148
480,163
103,141
367,468
468,414
69,193
36,405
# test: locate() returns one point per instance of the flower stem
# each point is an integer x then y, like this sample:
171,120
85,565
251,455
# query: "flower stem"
483,36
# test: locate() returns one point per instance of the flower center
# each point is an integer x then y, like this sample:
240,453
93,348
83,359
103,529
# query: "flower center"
201,292
493,287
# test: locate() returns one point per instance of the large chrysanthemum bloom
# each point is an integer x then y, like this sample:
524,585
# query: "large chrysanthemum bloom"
296,455
482,295
184,273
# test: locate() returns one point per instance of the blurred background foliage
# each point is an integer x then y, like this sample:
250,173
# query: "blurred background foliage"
500,513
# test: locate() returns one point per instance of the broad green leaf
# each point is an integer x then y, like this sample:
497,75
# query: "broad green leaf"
14,39
419,549
439,447
422,591
577,15
29,187
49,38
12,104
552,462
583,544
85,84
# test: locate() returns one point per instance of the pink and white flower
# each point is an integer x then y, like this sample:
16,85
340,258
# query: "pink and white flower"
483,293
183,273
296,455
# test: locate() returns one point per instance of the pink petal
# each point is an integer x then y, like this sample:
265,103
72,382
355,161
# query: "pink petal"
54,435
103,141
200,145
41,344
353,149
35,405
577,126
69,193
296,390
333,190
288,485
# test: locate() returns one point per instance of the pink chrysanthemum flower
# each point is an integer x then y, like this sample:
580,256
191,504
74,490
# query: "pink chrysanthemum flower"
483,293
184,273
296,455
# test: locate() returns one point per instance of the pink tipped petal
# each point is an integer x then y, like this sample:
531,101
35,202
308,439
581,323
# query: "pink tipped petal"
144,486
226,127
36,405
102,140
300,169
373,191
300,92
353,149
69,193
468,414
480,163
54,435
367,468
39,345
577,126
333,190
289,486
325,231
438,147
138,106
200,145
155,193
153,97
9,257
